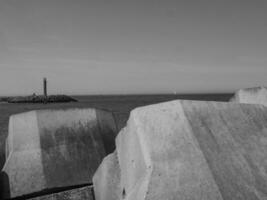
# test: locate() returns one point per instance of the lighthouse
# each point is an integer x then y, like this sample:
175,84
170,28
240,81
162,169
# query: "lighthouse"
45,87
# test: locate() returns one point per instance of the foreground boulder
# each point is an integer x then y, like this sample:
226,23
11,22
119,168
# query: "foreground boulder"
257,95
188,150
50,149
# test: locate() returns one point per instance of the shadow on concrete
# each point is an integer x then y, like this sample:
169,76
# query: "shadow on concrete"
2,153
69,155
2,160
108,130
4,186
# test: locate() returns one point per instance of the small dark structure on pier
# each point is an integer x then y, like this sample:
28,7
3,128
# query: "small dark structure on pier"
40,98
45,87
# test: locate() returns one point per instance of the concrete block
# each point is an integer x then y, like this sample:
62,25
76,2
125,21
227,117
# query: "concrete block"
257,95
193,150
56,148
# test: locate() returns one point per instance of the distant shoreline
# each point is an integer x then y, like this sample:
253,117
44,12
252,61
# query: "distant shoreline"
38,99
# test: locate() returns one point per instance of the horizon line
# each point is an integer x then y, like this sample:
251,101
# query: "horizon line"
129,94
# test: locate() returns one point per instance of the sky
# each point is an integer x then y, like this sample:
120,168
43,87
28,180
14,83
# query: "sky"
129,47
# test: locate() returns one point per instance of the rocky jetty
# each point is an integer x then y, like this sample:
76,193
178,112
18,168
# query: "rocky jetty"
39,99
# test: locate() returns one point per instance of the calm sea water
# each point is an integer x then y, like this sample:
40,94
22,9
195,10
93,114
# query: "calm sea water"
119,105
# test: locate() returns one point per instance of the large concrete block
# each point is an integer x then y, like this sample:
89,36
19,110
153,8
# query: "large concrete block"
56,148
257,95
194,150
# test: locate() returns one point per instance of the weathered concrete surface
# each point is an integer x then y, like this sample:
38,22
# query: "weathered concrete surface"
107,178
83,193
193,150
56,148
257,95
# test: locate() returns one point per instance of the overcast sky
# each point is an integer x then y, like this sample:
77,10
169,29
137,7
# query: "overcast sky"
138,46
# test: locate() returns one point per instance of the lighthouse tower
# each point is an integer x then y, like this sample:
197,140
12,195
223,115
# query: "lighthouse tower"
45,87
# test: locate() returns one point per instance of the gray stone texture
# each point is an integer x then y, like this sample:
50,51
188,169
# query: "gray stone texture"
49,149
195,150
